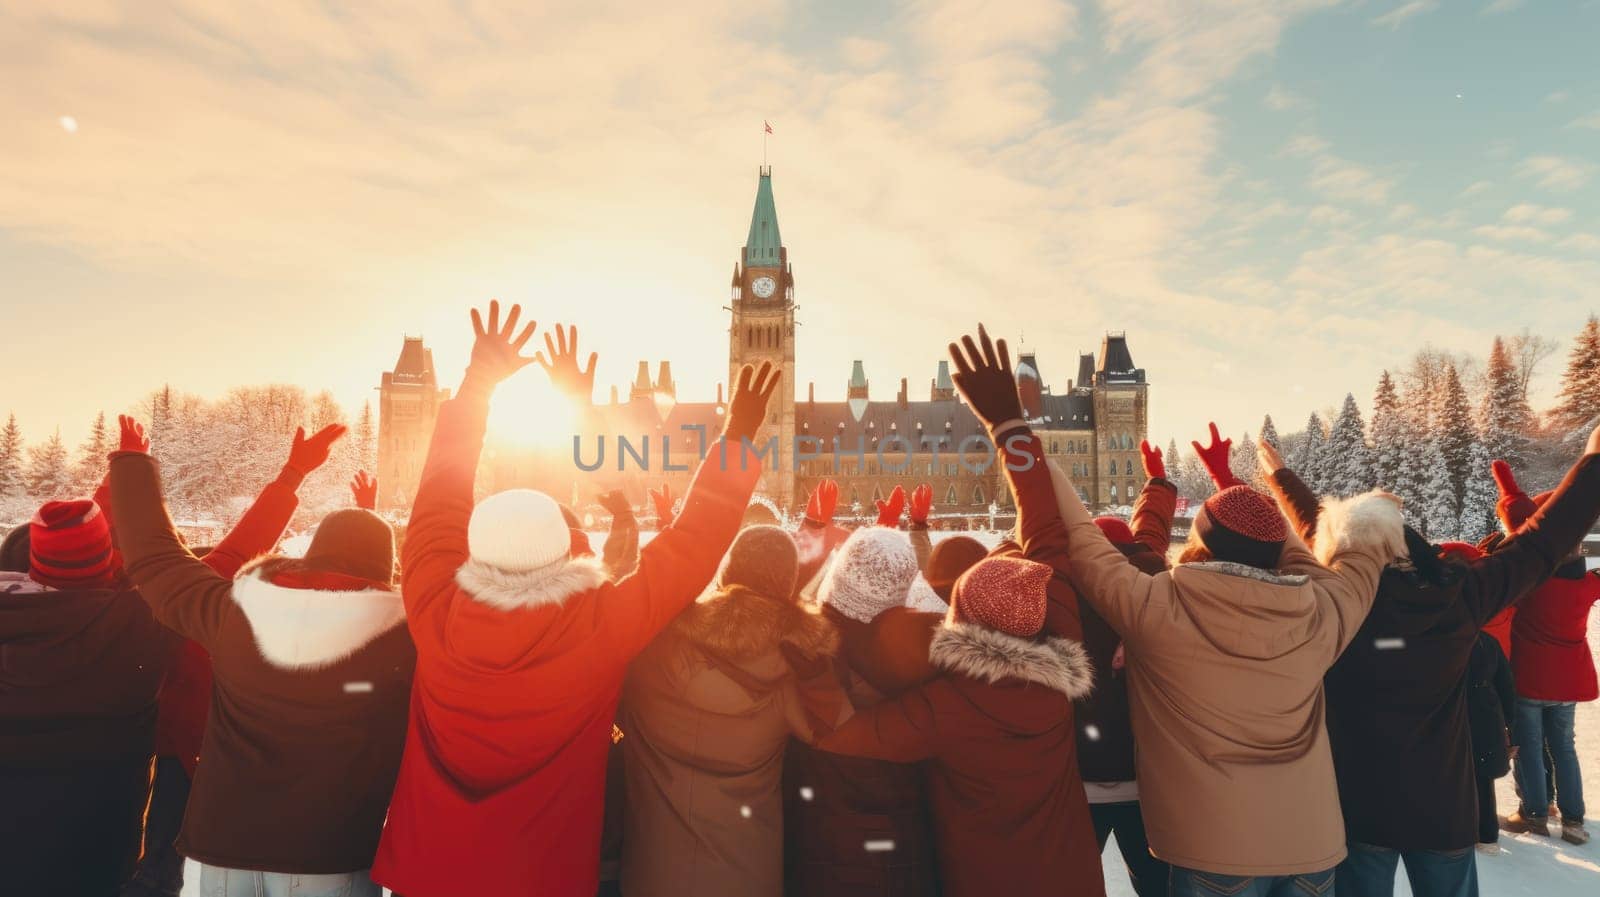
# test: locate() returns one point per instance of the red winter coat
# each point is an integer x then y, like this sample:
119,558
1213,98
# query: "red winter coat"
1550,655
502,782
186,695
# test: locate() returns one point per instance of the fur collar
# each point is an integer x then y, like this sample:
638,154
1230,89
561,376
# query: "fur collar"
1056,663
739,624
551,584
1270,577
305,629
1369,523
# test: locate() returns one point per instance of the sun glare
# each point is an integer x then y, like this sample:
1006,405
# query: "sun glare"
528,413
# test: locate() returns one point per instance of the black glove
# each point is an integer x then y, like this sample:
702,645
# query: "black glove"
985,379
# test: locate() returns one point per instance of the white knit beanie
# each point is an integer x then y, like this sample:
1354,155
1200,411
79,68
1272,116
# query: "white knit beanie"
518,530
870,573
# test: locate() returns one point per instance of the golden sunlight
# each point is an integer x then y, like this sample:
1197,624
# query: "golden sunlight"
528,413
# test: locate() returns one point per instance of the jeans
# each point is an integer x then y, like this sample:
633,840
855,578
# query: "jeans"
1148,874
1194,883
1538,723
218,882
1369,872
160,872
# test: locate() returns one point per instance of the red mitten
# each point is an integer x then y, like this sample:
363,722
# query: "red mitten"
311,452
662,499
133,438
364,487
1504,478
921,505
819,508
1155,467
1215,458
889,511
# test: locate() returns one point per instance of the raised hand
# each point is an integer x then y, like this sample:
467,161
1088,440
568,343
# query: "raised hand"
1155,467
889,511
496,349
983,374
748,407
1268,456
133,438
662,499
921,505
562,364
615,502
821,504
309,453
364,487
1215,457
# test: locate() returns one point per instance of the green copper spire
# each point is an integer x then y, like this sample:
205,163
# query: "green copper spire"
764,247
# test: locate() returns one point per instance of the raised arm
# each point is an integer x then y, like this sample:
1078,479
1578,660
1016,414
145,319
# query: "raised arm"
901,730
680,561
621,552
1216,457
263,524
1545,539
436,539
1294,497
1356,538
1157,503
917,524
183,593
1119,591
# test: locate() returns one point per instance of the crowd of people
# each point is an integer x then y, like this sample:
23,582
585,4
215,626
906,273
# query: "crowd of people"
1309,695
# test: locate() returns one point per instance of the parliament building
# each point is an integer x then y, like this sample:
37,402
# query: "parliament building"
867,444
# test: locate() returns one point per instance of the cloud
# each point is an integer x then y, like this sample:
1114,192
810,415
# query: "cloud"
1585,243
1528,213
1475,188
1555,172
1280,100
1403,13
1590,122
1512,233
1497,7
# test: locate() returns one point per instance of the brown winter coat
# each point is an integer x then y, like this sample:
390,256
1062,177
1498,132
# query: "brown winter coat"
996,728
836,804
707,711
1224,666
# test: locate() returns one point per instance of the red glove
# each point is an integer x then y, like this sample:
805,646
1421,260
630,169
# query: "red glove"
1215,458
1154,466
364,487
819,508
663,501
1504,478
921,505
133,438
748,407
308,454
889,511
562,365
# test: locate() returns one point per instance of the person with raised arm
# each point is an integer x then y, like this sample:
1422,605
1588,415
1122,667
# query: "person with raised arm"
310,665
1397,697
1225,657
522,647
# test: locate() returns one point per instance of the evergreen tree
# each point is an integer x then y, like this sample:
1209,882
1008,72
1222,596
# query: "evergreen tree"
1307,461
1244,464
1452,423
365,438
1438,516
1269,433
92,454
1391,447
1505,417
13,471
1580,386
1347,465
49,476
1478,503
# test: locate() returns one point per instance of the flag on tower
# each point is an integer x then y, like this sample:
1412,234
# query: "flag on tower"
767,126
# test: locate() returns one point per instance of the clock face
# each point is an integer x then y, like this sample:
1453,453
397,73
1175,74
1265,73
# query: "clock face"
763,286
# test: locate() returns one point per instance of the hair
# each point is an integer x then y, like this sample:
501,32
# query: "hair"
1195,553
1431,568
14,550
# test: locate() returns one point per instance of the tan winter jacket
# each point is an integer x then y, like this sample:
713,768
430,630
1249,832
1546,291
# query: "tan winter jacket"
707,711
1225,667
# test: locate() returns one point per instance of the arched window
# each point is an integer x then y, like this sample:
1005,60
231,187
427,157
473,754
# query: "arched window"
1128,468
1114,493
1113,466
950,495
750,336
855,497
977,495
877,491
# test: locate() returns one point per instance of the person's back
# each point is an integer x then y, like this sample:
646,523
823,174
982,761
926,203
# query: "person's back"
1550,651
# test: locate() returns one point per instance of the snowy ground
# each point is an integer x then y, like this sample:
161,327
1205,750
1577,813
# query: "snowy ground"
1527,866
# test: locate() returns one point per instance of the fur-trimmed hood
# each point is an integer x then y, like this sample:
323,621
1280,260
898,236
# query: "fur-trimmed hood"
1270,577
738,624
309,628
551,584
1059,664
1370,523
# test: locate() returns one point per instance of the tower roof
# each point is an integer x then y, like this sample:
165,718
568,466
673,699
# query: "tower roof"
858,375
763,248
415,364
1085,371
1114,355
942,382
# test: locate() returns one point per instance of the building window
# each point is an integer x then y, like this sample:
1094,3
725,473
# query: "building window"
1113,466
950,495
1113,492
1129,469
977,495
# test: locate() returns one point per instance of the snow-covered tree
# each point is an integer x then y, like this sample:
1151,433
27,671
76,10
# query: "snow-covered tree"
1478,502
13,461
1244,464
1504,416
1452,424
1391,448
365,437
49,471
91,464
1438,515
1269,433
1307,460
1580,386
1193,482
1347,463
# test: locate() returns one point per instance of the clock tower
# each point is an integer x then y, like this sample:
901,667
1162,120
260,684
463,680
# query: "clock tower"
761,330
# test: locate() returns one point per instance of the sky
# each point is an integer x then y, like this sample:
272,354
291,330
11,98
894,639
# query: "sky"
1274,198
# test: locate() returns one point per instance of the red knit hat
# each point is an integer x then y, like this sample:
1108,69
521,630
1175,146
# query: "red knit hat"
949,559
69,546
1116,530
1460,551
1003,593
1240,524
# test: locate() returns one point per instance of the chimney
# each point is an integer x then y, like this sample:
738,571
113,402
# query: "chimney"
811,392
904,402
664,380
613,393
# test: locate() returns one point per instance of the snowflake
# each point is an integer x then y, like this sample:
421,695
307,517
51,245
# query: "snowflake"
745,811
1092,732
1389,644
806,793
879,846
352,688
69,124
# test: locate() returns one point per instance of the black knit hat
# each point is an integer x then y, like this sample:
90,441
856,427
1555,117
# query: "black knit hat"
762,559
354,541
